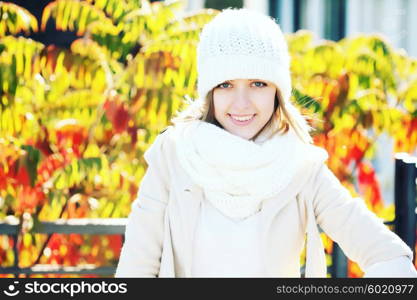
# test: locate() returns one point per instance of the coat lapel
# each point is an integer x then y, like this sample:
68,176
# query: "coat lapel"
193,195
167,268
315,257
270,209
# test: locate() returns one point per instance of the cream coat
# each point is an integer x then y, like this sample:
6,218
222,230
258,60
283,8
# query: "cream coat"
159,233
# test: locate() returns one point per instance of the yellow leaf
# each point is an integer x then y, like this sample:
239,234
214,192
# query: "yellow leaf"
24,258
63,250
27,240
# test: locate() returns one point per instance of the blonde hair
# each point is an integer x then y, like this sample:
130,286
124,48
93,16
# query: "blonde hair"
284,116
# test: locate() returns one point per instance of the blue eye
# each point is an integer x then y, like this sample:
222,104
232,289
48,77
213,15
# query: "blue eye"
262,83
221,85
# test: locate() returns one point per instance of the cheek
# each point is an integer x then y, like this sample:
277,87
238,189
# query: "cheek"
267,106
219,105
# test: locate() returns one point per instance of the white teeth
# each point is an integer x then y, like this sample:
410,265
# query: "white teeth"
242,118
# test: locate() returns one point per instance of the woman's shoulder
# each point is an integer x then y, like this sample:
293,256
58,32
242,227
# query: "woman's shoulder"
317,153
312,155
179,125
314,158
165,129
160,146
163,146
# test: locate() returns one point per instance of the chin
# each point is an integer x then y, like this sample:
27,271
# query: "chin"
247,133
244,135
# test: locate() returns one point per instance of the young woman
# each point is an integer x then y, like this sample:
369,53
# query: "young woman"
235,187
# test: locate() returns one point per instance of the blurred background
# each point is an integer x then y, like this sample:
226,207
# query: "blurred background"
86,86
336,19
328,19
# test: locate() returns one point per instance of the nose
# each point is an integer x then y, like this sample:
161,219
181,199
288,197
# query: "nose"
241,99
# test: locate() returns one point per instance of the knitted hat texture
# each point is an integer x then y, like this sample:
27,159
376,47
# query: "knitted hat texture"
242,44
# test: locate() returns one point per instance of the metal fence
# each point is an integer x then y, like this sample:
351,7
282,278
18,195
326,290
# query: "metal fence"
80,226
404,225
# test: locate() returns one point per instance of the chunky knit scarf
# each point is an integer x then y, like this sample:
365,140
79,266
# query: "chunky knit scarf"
237,174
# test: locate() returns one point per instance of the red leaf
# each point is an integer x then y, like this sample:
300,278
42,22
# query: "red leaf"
29,198
22,177
121,119
72,135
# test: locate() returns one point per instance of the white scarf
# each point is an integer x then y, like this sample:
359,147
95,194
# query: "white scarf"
237,174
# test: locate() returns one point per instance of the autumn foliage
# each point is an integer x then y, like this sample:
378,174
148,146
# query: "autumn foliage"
74,123
356,90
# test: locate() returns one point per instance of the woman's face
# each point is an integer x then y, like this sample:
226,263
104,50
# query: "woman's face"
244,106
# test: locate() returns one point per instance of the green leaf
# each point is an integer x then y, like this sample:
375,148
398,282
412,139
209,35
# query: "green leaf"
306,101
31,162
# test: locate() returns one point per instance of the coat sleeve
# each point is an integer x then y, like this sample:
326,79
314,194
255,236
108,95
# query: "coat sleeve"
141,252
363,236
397,267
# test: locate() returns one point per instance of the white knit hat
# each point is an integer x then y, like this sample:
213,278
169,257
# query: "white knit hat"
242,44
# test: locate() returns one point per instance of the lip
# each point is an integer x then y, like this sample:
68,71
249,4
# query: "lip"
240,123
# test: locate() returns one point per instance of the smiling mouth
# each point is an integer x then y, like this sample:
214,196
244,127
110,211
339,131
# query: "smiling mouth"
241,120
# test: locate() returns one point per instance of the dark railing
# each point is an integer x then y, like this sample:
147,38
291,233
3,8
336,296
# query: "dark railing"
82,226
406,198
404,225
